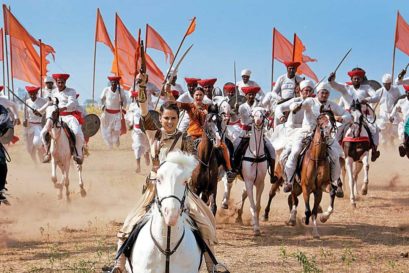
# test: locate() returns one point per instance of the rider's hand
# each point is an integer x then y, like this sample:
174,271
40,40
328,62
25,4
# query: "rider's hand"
142,79
331,77
17,122
282,119
339,119
36,113
402,74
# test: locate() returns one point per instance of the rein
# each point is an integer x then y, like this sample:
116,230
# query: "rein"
168,252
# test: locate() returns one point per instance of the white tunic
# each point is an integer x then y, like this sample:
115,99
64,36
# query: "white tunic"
48,93
241,84
112,100
66,98
293,120
140,143
284,87
12,106
349,93
245,111
37,105
402,106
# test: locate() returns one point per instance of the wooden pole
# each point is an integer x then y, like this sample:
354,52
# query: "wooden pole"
41,69
95,58
295,37
7,58
4,56
11,66
116,48
394,46
146,38
272,62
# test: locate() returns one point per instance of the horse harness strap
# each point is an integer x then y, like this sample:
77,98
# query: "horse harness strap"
255,159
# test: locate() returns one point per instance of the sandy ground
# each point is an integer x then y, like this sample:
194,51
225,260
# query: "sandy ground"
39,233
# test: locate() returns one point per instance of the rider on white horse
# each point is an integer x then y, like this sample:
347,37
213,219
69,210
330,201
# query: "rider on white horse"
312,108
245,114
402,106
69,114
162,141
364,94
113,99
32,122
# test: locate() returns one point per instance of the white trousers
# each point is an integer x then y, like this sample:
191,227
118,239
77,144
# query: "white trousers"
75,127
33,138
111,128
140,144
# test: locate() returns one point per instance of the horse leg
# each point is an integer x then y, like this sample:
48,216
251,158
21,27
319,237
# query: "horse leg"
292,203
325,216
259,192
317,201
271,195
67,182
249,188
227,190
357,170
364,189
81,182
306,196
240,211
348,166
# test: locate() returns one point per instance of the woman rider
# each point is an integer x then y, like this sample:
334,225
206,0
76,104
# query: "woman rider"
162,141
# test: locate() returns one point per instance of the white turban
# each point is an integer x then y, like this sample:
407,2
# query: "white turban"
306,83
323,86
246,72
48,79
387,78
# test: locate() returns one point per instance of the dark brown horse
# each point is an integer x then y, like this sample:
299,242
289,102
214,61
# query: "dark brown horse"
315,177
205,175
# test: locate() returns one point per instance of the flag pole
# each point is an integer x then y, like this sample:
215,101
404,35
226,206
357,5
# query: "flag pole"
146,38
272,61
6,56
11,65
116,48
295,37
394,46
41,68
95,58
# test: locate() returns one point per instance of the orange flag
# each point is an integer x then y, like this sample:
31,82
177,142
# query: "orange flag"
191,27
1,45
126,50
402,34
101,33
154,40
283,51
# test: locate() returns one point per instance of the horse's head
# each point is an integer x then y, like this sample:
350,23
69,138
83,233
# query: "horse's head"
259,116
52,111
213,125
326,122
223,107
356,111
171,185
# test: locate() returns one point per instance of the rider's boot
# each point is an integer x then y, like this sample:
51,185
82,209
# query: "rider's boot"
273,177
375,153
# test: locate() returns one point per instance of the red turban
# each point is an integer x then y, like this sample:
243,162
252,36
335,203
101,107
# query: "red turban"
229,88
61,76
192,81
114,78
406,87
175,93
134,94
250,89
357,72
1,88
32,89
207,82
292,64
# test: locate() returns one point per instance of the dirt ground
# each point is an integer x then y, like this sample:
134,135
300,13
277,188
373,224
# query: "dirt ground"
39,233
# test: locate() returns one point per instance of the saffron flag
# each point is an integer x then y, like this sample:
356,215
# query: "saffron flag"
101,33
283,51
126,52
154,40
191,27
402,34
25,59
1,45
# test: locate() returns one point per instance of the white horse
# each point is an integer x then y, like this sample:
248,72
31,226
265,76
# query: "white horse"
253,169
356,149
60,152
167,230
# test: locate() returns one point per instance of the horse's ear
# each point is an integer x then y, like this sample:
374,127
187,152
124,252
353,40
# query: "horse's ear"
57,101
321,108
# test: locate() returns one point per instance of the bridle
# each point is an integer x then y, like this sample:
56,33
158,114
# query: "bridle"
158,201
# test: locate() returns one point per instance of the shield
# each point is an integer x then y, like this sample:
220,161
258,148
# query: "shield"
151,121
374,84
240,100
91,125
7,137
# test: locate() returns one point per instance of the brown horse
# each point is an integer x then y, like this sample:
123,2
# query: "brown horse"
315,177
205,175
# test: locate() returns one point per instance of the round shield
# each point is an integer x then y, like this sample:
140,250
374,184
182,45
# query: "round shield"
7,137
374,84
91,125
240,100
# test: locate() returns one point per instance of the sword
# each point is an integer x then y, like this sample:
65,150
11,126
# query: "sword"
335,71
400,76
235,86
22,101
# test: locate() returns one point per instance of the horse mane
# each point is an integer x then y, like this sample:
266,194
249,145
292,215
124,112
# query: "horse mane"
186,161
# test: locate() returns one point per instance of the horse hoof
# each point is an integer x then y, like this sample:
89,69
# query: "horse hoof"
290,223
319,209
353,205
54,179
364,190
323,219
225,206
58,186
257,232
265,218
83,192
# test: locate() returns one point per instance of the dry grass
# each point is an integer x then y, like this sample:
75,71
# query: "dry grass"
39,233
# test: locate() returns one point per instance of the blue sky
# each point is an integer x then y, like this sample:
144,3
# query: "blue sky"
227,31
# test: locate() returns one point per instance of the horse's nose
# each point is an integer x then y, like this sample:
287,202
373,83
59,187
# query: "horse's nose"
166,211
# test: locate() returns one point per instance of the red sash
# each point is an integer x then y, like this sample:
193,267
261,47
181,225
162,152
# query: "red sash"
111,111
355,139
76,114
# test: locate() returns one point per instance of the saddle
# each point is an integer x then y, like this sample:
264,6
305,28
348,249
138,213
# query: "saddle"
71,137
241,150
